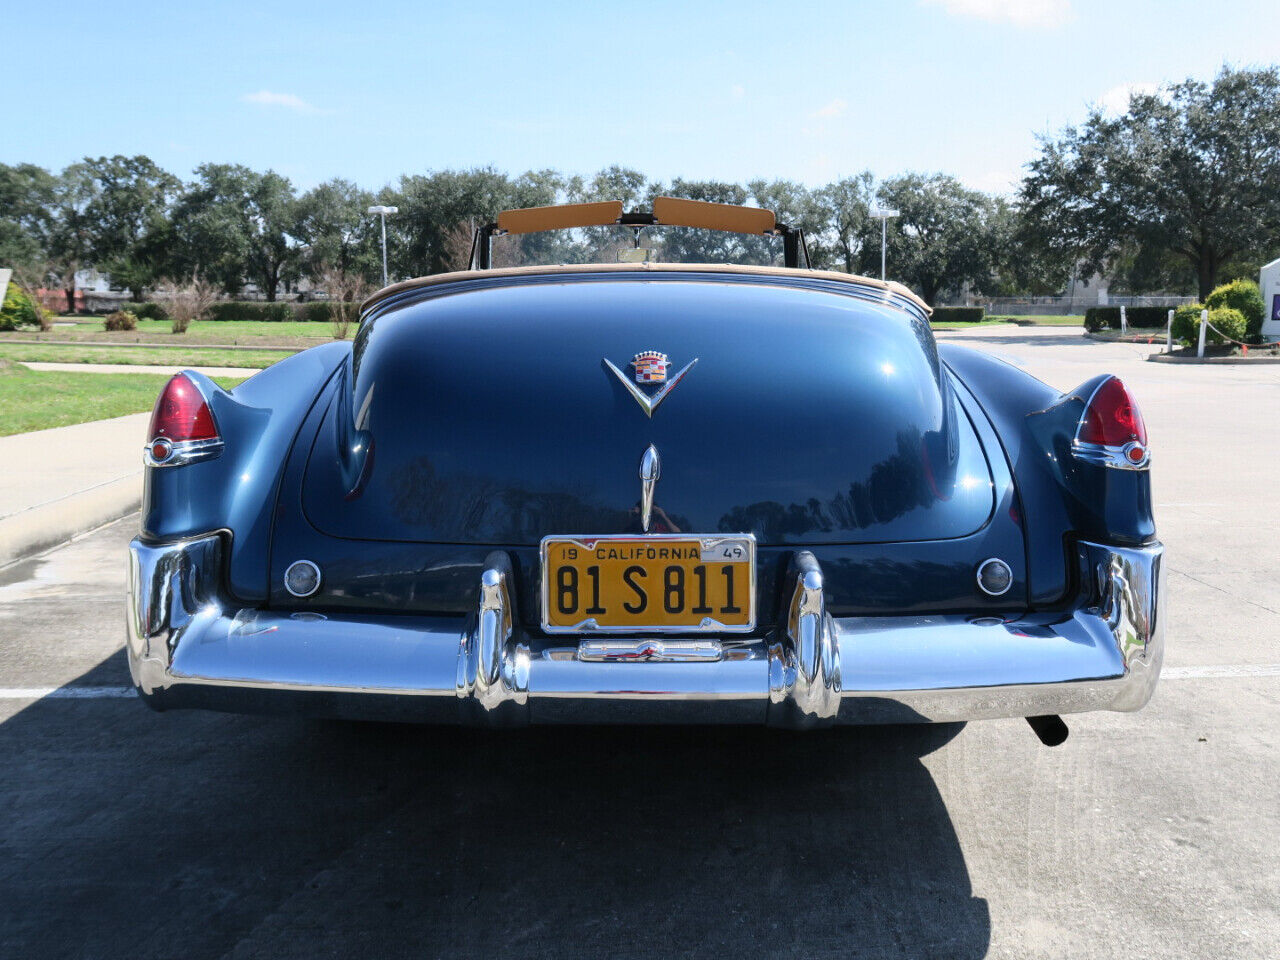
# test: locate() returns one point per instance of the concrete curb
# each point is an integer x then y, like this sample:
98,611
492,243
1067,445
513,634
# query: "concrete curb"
37,528
1166,358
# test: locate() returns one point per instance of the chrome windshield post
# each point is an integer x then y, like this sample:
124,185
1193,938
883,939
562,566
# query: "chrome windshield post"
804,661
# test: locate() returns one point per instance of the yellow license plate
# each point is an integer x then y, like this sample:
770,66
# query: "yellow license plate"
664,583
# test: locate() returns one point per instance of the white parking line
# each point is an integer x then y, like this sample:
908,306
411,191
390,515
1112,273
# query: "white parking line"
66,693
1215,672
1223,671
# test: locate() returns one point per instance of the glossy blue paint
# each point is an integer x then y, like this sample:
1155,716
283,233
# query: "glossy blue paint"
811,417
1063,499
237,490
479,415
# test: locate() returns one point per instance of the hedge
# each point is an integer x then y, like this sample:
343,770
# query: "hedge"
319,311
1242,295
17,310
1103,318
232,310
322,311
1186,324
149,311
120,320
958,314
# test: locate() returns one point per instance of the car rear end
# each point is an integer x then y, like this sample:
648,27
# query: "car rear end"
451,525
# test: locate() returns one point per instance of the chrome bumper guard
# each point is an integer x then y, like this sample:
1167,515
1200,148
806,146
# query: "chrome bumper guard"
189,648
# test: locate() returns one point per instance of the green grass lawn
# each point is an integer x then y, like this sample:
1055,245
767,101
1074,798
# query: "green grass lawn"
184,356
962,325
294,334
1071,320
34,400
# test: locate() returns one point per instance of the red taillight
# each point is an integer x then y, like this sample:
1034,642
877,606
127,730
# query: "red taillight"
1112,418
181,413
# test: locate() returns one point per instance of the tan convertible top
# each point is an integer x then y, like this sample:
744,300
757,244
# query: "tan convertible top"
437,279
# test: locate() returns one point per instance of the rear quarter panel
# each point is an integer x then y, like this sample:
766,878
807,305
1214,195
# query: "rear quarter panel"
237,490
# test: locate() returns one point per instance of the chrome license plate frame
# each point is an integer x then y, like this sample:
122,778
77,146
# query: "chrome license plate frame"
714,548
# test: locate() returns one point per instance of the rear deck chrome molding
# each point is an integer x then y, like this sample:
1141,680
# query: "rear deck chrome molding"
189,646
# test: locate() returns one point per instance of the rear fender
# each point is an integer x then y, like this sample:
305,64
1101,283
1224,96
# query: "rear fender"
236,491
1063,499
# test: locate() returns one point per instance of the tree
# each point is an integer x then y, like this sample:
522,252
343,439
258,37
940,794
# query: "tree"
940,238
796,206
70,242
1020,265
26,213
127,219
336,232
234,224
346,289
1193,170
189,300
433,204
270,214
849,224
682,245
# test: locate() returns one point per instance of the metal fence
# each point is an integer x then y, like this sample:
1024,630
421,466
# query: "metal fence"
1063,306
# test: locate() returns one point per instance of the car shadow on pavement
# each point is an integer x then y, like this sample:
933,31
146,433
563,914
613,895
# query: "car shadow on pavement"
138,834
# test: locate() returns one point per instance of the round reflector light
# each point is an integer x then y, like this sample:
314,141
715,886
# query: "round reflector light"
161,450
994,577
302,579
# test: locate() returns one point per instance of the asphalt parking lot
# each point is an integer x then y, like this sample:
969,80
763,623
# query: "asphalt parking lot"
127,833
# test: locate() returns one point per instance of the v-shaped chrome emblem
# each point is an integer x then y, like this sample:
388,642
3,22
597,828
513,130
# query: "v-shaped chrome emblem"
649,403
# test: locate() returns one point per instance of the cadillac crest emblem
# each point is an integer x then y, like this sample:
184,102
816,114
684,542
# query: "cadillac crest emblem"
651,371
651,366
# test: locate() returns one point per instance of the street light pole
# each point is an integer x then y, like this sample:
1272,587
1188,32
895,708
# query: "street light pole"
382,212
883,214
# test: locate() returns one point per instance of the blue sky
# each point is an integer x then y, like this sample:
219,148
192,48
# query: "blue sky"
808,91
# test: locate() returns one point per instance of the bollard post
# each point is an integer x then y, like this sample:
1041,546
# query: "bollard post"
1168,334
1204,322
1124,322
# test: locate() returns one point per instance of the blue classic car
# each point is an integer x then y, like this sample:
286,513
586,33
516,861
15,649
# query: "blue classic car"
642,491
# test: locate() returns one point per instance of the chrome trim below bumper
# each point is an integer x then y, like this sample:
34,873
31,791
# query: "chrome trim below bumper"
188,648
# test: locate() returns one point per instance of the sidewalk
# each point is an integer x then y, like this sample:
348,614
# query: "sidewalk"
61,482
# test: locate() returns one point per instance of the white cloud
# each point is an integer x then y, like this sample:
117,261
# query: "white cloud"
289,101
737,91
833,109
1116,100
1021,13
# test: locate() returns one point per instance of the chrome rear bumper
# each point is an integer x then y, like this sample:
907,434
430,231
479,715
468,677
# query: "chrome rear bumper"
189,648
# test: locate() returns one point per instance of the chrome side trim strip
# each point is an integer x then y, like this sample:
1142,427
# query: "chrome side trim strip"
804,662
1107,455
183,452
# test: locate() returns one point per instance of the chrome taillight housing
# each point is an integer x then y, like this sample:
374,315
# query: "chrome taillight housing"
1111,431
182,426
